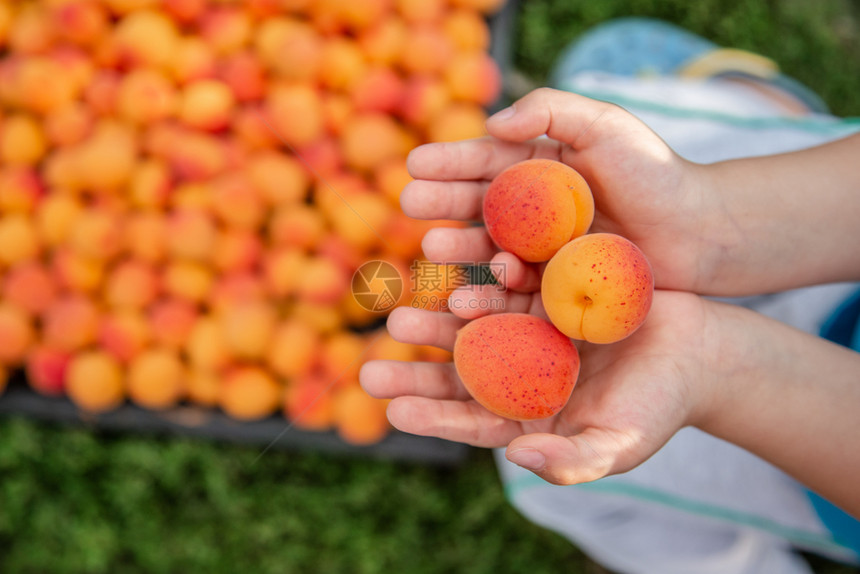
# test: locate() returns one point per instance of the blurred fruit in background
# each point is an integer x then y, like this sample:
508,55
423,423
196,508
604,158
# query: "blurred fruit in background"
188,186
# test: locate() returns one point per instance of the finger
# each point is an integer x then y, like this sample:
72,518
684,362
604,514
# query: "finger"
422,327
459,421
461,200
561,115
475,159
583,457
513,273
448,245
390,379
473,301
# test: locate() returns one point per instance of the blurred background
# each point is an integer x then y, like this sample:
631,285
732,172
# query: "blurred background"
146,123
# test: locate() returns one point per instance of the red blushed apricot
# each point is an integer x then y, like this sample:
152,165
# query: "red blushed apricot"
598,288
534,207
309,403
516,365
46,370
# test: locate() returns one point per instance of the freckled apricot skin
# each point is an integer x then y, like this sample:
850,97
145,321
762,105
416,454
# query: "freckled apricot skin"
598,288
535,206
517,366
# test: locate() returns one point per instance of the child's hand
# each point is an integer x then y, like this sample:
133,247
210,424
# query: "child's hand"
642,189
631,396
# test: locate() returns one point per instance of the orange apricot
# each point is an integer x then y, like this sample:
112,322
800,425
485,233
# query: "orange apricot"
309,403
17,334
598,288
359,418
534,207
95,381
249,393
517,366
156,379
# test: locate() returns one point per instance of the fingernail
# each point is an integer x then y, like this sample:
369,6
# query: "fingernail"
504,114
528,458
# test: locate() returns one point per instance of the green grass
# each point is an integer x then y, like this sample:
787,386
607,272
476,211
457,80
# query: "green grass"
76,501
816,42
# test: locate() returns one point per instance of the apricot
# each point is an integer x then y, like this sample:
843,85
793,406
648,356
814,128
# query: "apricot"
373,138
391,177
289,46
516,365
77,272
359,418
22,140
340,356
296,113
55,216
193,60
68,125
323,318
17,334
20,189
145,38
309,404
46,370
97,234
247,328
237,202
380,89
424,97
280,178
467,29
534,207
131,284
206,348
226,29
145,96
244,74
206,104
156,379
18,239
322,281
474,77
342,64
598,288
171,321
71,323
191,234
188,280
124,334
146,236
426,50
237,288
293,348
457,121
237,250
382,43
249,393
298,225
30,286
202,387
95,381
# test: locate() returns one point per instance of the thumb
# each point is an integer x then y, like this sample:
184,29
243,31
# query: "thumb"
583,457
563,116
